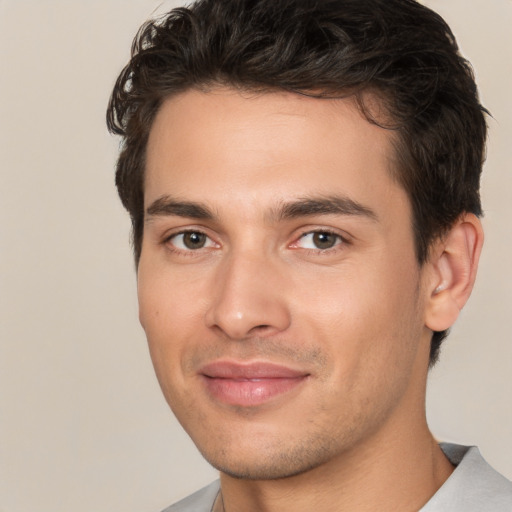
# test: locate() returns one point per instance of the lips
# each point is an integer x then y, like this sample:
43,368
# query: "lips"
249,384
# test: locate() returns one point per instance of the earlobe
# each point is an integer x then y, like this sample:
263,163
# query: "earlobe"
454,262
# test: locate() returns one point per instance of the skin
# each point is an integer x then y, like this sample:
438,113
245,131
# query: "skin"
354,316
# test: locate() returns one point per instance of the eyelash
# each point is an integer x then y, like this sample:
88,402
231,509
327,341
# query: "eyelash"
341,241
187,252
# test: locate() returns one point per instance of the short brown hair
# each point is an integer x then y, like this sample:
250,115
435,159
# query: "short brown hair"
399,49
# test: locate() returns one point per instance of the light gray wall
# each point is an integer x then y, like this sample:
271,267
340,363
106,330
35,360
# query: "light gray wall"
83,426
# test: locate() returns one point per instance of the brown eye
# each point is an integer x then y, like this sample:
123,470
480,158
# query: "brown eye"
324,240
320,240
193,240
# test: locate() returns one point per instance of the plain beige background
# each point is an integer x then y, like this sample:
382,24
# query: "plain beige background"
83,426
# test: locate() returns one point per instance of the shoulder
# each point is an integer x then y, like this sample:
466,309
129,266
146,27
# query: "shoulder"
200,501
474,486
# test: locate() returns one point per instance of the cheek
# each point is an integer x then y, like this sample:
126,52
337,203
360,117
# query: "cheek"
364,314
168,301
159,315
162,315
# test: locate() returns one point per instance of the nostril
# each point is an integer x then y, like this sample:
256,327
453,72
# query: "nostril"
260,328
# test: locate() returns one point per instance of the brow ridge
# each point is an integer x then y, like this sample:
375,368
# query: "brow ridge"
302,207
328,205
167,205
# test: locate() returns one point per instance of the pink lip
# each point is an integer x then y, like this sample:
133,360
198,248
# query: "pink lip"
249,384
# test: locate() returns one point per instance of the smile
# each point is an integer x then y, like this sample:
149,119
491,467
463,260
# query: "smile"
247,385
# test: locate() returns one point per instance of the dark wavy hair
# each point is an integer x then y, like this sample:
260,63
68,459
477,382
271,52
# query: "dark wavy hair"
397,49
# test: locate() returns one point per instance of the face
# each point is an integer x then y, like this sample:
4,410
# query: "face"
278,285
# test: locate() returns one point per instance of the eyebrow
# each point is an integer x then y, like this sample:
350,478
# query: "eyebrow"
328,205
302,207
168,206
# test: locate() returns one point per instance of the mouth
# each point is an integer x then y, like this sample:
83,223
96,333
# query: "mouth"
249,384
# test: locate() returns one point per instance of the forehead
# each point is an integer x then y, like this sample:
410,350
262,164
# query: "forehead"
261,147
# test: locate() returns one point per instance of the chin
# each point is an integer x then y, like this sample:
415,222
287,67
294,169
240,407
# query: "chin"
273,462
264,470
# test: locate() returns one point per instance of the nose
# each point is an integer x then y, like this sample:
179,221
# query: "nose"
248,298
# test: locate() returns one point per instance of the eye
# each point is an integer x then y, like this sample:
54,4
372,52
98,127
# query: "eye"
322,240
191,241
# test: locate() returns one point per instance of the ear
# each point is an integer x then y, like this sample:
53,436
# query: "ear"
453,262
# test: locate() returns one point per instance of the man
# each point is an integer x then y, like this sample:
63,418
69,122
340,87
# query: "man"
303,183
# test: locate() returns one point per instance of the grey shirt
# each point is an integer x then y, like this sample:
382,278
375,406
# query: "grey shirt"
473,487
